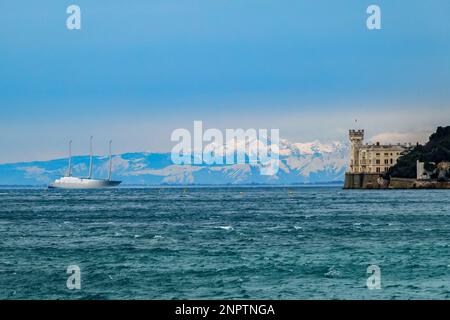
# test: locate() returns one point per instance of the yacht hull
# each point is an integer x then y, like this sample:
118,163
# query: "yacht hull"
82,183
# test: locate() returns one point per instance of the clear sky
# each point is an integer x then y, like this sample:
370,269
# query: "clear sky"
139,69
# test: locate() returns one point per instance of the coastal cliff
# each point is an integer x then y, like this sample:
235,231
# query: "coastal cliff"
436,151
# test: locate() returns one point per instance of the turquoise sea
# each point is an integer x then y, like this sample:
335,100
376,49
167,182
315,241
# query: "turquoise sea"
224,243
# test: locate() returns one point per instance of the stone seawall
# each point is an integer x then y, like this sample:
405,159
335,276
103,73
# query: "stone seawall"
364,181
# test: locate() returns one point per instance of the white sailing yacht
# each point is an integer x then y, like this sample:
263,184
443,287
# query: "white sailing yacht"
70,182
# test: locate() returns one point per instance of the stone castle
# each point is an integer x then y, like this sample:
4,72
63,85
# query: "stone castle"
372,158
368,162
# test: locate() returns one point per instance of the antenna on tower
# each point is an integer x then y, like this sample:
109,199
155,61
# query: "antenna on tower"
69,173
110,162
90,158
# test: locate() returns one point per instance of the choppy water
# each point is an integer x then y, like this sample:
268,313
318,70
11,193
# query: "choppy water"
201,243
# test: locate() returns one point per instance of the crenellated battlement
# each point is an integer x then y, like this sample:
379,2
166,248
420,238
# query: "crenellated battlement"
356,132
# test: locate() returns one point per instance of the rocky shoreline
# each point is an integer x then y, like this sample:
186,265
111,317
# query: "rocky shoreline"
404,183
376,181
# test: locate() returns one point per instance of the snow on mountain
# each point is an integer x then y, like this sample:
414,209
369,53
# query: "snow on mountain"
309,162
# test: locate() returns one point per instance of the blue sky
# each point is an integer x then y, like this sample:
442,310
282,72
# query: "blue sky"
140,69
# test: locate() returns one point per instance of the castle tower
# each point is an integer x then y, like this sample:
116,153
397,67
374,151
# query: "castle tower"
356,140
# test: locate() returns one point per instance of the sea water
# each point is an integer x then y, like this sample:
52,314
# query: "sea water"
224,243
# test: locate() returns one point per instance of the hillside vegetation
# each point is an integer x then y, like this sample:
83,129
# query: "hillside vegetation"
436,150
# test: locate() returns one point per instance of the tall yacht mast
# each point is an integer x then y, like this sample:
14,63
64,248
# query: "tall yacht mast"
90,158
110,161
69,173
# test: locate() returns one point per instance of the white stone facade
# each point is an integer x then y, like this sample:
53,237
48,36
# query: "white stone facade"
372,158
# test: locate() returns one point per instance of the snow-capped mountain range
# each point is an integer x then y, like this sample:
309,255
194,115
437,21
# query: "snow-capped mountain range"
300,163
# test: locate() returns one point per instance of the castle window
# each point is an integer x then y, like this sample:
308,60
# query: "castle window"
378,170
392,161
386,161
377,161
